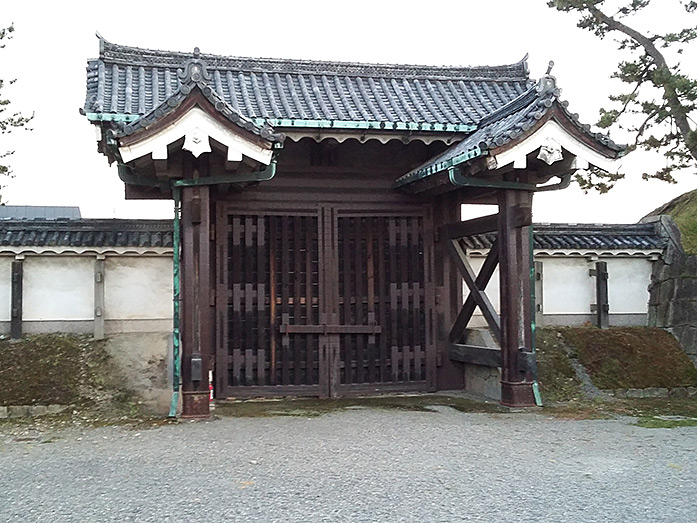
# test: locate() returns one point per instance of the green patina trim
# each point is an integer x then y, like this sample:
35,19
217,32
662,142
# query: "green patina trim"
440,166
318,124
378,126
110,117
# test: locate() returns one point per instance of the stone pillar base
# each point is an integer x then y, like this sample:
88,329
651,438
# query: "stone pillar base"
196,405
517,394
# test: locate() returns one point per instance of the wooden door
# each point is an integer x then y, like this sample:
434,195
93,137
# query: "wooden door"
321,303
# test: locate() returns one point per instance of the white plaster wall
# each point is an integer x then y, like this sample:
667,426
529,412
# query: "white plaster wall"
58,288
628,284
5,287
566,286
137,288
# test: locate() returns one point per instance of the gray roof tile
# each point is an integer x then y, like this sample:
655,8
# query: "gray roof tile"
612,237
504,125
131,81
86,233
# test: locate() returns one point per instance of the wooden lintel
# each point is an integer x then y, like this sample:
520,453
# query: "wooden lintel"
480,225
489,357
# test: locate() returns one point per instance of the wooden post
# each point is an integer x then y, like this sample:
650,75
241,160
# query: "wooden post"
538,295
16,299
601,307
98,329
515,217
197,312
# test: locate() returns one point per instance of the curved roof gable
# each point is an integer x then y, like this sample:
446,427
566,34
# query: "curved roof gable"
125,83
499,132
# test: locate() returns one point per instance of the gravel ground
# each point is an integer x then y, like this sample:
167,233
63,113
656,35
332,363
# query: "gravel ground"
355,465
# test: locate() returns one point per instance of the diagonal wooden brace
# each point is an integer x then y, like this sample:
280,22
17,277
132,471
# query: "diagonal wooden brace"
476,285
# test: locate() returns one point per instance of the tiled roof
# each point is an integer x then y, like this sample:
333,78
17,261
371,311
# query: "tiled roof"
129,81
86,233
503,126
639,236
158,233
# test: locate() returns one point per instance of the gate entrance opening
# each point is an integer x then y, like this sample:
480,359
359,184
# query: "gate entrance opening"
324,303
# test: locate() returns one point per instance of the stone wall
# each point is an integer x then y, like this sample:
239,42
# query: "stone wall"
673,290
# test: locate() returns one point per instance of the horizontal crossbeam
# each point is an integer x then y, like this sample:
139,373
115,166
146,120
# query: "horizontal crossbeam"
287,328
490,357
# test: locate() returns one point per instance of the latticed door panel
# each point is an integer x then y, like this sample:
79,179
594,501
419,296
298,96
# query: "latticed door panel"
268,275
382,284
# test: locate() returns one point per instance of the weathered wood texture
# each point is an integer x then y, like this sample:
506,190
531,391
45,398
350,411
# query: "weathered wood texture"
515,218
197,325
16,299
322,303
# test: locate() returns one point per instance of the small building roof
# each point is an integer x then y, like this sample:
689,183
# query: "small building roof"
43,212
125,83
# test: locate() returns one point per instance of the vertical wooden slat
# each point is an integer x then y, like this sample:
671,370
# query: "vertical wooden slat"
222,363
262,285
405,320
394,310
429,300
249,309
310,229
285,296
370,224
383,287
300,341
361,299
273,286
236,324
416,277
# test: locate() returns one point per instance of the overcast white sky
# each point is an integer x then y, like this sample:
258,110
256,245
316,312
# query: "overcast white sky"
58,164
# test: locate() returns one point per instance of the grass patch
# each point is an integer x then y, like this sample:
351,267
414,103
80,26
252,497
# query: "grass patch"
662,423
683,210
631,357
312,407
61,369
558,381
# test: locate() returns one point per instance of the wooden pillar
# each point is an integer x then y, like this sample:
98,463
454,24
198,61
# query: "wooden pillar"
515,217
197,316
16,298
98,329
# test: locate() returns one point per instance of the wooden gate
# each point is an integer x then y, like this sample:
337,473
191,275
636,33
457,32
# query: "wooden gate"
322,303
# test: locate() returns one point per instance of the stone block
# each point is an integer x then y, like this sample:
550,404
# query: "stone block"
19,411
686,288
620,393
678,392
38,410
666,291
691,392
656,392
483,381
635,393
3,413
55,409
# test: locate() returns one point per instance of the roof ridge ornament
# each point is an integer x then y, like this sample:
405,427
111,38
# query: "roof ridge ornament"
194,69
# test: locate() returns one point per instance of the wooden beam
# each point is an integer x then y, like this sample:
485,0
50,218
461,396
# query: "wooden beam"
479,296
489,357
480,225
468,308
